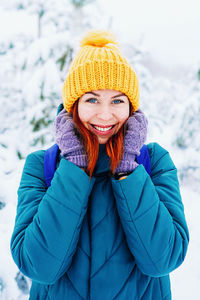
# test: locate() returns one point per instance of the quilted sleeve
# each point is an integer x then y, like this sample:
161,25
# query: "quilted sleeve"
152,215
48,222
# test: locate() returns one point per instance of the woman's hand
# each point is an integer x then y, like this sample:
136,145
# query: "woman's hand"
66,136
136,131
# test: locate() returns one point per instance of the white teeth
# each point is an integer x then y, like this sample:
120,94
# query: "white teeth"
102,129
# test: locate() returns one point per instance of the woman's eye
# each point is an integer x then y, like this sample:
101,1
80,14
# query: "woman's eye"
92,100
117,101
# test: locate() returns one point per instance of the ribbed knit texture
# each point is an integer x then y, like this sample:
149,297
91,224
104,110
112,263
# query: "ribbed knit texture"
100,65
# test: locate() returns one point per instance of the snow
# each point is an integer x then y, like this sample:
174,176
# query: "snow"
162,42
168,29
185,280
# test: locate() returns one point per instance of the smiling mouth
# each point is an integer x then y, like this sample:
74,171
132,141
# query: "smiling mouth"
103,128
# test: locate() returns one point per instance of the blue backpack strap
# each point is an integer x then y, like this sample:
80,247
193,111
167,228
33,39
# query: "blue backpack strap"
50,160
144,159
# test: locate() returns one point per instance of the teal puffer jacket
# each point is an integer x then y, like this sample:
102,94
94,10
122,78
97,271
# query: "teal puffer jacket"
100,238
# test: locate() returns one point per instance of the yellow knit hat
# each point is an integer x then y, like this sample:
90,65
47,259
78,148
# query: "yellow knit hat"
99,65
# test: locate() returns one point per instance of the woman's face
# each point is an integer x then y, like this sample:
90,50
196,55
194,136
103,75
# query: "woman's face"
103,112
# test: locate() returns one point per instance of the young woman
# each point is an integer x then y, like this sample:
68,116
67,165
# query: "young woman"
105,228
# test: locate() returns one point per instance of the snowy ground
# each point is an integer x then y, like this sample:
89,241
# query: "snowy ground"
186,279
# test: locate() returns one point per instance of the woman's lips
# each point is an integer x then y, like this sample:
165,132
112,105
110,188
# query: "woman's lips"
101,130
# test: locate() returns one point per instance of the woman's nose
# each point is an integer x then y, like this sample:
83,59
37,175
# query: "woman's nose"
105,113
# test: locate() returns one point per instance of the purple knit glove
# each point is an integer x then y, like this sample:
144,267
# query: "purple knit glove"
133,141
66,137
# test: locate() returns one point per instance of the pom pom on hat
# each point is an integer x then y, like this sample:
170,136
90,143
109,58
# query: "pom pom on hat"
99,65
98,38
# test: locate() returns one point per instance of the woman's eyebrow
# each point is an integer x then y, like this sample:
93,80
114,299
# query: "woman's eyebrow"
95,94
92,94
121,94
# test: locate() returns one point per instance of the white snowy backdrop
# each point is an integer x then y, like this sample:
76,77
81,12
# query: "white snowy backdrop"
39,38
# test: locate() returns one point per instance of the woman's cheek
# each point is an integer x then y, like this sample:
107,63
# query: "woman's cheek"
84,113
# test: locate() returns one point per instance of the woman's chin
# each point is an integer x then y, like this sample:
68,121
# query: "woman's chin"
102,140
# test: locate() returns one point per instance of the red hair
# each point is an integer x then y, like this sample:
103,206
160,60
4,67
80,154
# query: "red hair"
114,146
